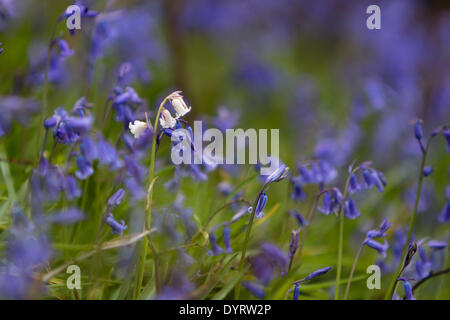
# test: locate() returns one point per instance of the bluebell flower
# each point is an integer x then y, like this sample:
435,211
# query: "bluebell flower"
446,134
116,199
84,168
115,226
64,49
71,187
331,202
298,216
216,249
277,256
408,289
107,154
353,185
427,171
445,215
227,240
67,216
350,210
88,149
437,245
225,119
261,205
381,248
293,244
314,274
418,131
279,174
16,109
298,193
372,178
381,232
255,289
296,292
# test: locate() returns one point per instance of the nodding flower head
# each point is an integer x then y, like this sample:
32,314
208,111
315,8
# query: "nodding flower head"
445,215
381,248
427,171
381,232
278,175
115,226
313,275
137,128
408,289
296,292
260,205
166,120
446,134
350,210
177,101
418,131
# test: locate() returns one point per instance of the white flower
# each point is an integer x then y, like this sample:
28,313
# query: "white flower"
137,128
166,120
179,105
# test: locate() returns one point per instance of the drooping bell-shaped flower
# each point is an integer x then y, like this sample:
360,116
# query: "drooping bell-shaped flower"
137,128
167,121
178,104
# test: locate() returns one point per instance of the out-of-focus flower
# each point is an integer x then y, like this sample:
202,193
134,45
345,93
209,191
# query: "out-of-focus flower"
67,216
116,199
418,131
227,240
446,134
427,171
137,128
408,289
255,289
298,216
381,248
437,245
296,292
225,119
107,154
84,168
15,109
115,226
445,215
331,202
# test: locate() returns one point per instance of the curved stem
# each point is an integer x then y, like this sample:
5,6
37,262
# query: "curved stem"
430,276
148,217
393,284
349,282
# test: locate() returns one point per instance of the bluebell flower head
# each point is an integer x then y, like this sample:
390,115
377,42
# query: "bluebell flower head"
445,215
298,216
314,274
353,185
408,289
227,240
216,249
437,245
331,201
107,154
67,216
84,168
446,134
381,248
296,292
261,205
298,193
350,210
71,187
427,171
277,256
115,226
116,199
88,149
418,131
381,232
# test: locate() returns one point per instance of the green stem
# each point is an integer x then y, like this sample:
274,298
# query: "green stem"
148,217
393,284
349,282
341,241
244,249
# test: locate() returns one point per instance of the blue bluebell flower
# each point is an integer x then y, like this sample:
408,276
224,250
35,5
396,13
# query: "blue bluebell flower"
298,193
255,289
350,210
107,154
226,119
84,168
381,232
88,149
64,49
116,199
261,205
314,274
445,215
418,131
227,240
277,256
216,249
115,226
67,216
296,292
427,171
446,134
331,201
298,216
381,248
353,185
71,187
408,289
437,245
